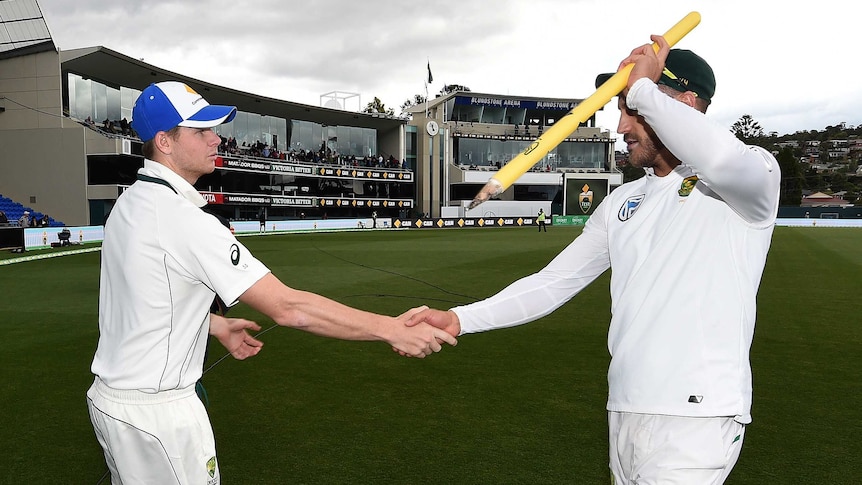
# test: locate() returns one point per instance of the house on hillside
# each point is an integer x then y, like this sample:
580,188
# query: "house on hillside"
838,149
820,199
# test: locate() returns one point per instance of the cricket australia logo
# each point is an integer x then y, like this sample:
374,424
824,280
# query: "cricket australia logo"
211,467
630,206
585,198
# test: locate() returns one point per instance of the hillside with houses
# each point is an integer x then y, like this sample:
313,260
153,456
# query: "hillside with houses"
820,168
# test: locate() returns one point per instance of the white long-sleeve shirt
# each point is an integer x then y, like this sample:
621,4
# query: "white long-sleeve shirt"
686,257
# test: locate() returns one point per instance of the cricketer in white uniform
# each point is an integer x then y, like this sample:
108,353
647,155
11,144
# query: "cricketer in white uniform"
163,262
155,292
687,250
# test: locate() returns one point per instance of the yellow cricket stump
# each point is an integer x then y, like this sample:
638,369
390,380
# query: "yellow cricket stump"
569,123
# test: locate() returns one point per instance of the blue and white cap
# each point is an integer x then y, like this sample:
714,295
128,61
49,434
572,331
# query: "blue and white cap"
166,105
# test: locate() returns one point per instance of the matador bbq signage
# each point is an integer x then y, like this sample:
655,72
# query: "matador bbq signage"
218,198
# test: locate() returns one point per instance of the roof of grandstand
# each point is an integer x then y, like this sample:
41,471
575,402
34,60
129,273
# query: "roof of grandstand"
113,68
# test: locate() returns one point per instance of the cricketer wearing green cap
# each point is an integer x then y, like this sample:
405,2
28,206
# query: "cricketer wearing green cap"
686,245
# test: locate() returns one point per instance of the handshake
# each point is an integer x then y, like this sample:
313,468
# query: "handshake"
425,330
418,332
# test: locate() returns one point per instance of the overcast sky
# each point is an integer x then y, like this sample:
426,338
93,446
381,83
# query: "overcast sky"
786,64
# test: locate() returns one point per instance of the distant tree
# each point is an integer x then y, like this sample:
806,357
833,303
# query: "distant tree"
814,181
837,131
377,106
791,178
746,129
838,182
417,100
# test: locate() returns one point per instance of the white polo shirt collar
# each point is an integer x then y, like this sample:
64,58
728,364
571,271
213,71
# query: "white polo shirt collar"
179,184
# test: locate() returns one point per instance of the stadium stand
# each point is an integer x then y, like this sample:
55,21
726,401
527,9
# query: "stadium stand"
325,162
14,210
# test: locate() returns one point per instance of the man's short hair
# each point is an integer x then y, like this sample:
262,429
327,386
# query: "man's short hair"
149,147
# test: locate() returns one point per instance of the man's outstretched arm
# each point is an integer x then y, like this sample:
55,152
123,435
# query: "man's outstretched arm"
319,315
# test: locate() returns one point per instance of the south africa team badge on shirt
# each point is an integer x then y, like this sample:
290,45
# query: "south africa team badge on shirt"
687,186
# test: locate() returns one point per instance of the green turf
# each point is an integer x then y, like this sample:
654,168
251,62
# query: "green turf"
522,405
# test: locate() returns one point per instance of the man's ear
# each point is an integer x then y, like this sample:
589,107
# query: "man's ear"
162,142
689,98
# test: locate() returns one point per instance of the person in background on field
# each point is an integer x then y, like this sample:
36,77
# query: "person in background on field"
540,218
686,245
164,260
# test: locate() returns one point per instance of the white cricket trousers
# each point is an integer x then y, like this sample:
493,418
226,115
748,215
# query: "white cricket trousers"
649,449
162,438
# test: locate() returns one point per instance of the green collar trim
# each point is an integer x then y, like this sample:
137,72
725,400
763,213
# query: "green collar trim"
156,180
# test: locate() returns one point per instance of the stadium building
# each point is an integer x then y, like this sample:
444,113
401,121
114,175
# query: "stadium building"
459,140
68,150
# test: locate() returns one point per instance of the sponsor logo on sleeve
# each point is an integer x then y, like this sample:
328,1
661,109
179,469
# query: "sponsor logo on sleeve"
234,254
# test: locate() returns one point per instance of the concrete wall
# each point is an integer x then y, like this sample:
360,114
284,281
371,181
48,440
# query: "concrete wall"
42,161
32,84
45,170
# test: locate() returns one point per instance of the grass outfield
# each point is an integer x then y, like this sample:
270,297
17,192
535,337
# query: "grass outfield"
522,405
